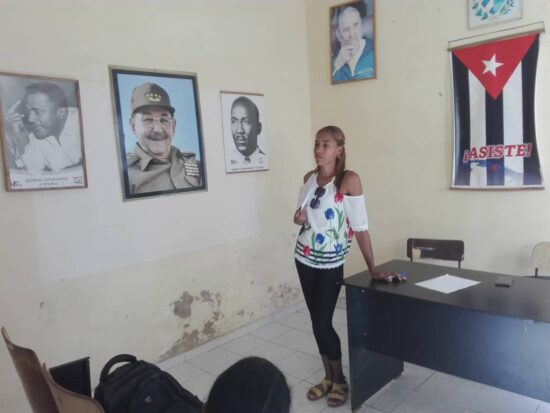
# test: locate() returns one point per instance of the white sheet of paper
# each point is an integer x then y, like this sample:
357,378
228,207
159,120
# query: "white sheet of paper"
447,283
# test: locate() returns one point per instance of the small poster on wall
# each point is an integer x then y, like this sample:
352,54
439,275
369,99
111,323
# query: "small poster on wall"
244,132
485,12
352,41
41,133
159,132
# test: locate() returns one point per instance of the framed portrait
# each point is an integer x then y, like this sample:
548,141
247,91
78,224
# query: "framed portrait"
42,139
483,13
352,42
244,132
159,132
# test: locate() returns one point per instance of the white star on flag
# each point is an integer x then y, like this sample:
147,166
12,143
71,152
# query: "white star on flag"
491,65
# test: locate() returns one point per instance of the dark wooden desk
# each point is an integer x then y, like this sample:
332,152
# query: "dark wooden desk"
494,335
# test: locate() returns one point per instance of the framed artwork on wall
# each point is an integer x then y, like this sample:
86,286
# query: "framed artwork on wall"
352,41
42,139
244,132
159,132
485,12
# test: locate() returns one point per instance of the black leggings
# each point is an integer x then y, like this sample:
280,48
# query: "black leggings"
321,288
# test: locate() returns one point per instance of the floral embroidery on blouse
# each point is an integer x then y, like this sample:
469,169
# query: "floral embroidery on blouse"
327,245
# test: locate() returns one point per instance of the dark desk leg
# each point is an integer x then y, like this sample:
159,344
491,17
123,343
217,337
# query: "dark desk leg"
369,371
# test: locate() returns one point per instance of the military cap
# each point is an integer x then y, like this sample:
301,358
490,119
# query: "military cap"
150,94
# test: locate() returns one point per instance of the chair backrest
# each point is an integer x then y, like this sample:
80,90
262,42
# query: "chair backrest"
439,249
28,367
540,258
68,401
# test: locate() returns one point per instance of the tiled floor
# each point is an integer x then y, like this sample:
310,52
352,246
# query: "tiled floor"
288,342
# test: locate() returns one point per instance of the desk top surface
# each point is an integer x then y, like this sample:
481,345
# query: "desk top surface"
527,298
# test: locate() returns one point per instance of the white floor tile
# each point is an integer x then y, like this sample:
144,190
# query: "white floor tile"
424,403
368,409
212,359
300,365
259,324
201,385
272,351
387,399
270,331
299,341
21,406
341,303
493,400
243,345
340,316
291,380
299,321
185,372
342,330
451,388
317,376
413,376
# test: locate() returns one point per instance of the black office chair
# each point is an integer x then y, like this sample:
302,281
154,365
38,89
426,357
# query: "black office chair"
439,249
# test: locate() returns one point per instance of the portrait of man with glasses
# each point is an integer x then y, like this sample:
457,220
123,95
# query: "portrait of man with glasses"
159,155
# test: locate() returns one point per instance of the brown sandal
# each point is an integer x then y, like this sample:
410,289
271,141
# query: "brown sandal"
338,394
320,390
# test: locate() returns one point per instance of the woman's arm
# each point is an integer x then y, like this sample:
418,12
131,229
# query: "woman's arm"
351,186
300,216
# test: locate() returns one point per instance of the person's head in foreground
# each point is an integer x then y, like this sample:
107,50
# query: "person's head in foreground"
251,385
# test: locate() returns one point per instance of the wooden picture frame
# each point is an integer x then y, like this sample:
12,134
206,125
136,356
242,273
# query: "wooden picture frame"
352,42
159,132
42,135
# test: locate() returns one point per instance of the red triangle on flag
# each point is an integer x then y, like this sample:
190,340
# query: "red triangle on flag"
493,63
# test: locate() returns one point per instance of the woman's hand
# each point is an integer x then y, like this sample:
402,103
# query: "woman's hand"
300,216
387,276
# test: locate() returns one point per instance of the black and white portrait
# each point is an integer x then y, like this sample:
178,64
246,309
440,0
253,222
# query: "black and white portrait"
244,132
41,133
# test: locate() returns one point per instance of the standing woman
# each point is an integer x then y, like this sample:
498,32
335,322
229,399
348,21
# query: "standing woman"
331,209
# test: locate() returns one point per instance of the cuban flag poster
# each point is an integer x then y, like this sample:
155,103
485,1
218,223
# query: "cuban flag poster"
495,143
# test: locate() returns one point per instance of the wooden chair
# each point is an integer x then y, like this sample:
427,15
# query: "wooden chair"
28,368
439,249
540,259
68,401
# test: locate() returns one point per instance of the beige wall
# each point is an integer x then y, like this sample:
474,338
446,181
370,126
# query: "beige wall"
399,130
83,273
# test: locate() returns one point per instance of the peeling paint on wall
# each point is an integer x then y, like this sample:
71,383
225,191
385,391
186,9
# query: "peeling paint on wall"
208,329
186,342
206,296
188,304
283,295
243,313
182,307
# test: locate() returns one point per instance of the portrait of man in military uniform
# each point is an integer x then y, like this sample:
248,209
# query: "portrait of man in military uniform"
159,133
244,132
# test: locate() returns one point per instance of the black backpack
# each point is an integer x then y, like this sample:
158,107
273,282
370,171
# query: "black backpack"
141,387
